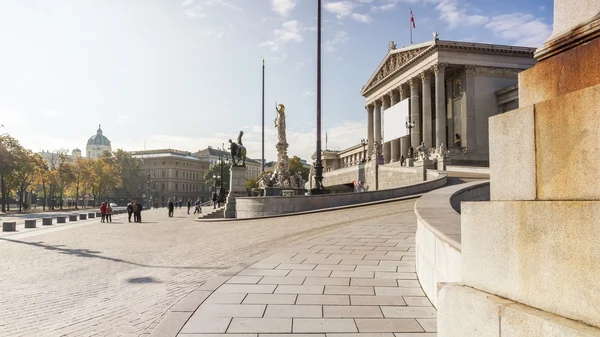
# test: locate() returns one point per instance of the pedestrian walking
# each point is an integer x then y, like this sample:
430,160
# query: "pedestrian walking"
103,211
171,206
130,210
198,208
189,205
138,211
109,212
214,200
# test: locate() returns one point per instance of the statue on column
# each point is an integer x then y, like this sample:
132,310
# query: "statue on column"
281,175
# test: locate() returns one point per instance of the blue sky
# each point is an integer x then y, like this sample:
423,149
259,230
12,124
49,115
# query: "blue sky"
186,74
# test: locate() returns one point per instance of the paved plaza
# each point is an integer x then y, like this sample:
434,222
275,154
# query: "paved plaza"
119,279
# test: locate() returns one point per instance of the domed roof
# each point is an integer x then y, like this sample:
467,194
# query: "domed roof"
98,138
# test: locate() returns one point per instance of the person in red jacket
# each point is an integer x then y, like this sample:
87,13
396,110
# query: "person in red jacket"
103,211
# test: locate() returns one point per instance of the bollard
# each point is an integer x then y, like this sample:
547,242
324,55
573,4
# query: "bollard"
61,219
82,216
9,226
46,221
31,223
91,215
98,214
72,217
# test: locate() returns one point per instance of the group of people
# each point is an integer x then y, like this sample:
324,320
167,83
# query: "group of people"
135,208
106,212
197,206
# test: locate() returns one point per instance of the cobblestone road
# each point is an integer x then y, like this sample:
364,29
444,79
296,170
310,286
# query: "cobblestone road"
117,279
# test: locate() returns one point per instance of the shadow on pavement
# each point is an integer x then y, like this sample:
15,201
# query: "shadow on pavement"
95,254
142,280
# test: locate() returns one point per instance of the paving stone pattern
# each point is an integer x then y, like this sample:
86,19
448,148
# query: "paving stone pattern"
119,279
356,281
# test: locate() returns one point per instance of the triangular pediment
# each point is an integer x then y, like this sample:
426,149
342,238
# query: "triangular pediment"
395,60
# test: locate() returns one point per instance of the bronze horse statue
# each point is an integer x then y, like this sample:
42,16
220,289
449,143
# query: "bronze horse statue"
238,151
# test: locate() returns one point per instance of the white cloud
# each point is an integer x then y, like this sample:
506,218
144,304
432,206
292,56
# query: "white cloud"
283,7
341,8
339,37
299,66
308,93
225,3
456,16
290,31
523,29
384,8
195,12
364,18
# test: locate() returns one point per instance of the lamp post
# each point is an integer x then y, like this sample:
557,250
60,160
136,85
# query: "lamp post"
409,126
364,143
52,168
318,165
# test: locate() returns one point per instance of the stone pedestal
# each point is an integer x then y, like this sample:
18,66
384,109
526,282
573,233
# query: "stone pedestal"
61,219
30,223
47,222
91,215
421,166
530,255
409,162
72,217
442,162
82,216
237,188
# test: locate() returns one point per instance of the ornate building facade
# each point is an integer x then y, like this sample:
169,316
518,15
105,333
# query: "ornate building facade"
97,144
452,88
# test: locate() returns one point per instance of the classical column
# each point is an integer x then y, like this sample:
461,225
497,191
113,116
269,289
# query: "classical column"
450,111
393,97
404,92
440,105
395,150
404,146
370,108
387,152
470,122
415,137
427,114
377,122
386,103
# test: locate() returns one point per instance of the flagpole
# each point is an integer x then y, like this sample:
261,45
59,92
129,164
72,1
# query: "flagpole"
318,164
410,25
262,162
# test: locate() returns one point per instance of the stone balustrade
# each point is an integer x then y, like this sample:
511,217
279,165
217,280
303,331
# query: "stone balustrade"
438,238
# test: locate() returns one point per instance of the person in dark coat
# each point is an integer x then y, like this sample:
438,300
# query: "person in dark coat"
214,199
171,207
138,211
189,205
130,210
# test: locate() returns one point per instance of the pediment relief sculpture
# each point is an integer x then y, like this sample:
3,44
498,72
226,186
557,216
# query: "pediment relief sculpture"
392,64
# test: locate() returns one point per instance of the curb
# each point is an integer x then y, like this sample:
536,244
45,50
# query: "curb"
370,203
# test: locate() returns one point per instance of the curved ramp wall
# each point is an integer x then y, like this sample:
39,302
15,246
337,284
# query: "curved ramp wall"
267,206
438,238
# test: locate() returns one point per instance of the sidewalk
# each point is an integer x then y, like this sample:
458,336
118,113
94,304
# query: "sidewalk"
360,279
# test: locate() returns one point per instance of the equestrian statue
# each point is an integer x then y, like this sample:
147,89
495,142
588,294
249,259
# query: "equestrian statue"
238,152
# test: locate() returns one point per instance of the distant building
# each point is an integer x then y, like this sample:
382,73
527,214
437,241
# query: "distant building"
97,144
173,175
213,156
52,157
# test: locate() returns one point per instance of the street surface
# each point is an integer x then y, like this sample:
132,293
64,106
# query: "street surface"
117,279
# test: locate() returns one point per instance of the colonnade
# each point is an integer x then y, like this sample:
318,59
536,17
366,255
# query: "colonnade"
419,90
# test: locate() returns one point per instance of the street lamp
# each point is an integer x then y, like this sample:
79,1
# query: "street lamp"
409,126
318,165
364,143
52,168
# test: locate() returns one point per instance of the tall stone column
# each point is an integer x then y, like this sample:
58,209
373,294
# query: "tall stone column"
427,113
415,134
440,105
470,122
450,111
385,104
395,150
377,122
393,97
404,146
404,91
370,139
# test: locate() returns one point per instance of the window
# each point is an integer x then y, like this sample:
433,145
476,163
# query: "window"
163,173
163,162
176,163
176,174
163,186
176,187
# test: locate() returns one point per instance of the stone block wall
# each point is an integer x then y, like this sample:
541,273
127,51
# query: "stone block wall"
269,206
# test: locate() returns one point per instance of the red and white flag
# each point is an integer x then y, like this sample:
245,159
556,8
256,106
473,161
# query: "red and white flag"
412,19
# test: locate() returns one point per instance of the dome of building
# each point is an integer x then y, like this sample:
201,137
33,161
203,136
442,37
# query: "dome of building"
98,138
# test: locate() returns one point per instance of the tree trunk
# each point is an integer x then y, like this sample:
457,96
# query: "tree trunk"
3,202
76,197
21,200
